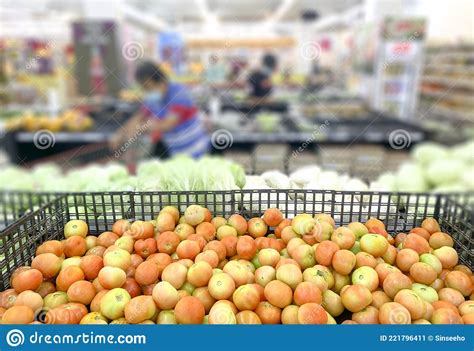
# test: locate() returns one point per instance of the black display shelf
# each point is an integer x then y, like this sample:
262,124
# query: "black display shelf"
250,108
375,128
21,147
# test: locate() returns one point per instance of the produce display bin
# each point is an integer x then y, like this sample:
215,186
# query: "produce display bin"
97,153
108,116
229,104
22,147
16,204
18,242
400,212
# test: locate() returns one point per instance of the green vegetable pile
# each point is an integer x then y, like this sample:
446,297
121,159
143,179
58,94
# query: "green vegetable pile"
177,174
434,168
185,174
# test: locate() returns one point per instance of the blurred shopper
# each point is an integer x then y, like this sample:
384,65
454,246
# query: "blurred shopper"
168,113
260,81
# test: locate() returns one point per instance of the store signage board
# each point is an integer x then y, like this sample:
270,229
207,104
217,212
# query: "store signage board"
398,66
235,337
97,64
396,51
404,29
171,50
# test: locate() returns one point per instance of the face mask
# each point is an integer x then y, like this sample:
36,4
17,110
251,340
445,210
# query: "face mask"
153,96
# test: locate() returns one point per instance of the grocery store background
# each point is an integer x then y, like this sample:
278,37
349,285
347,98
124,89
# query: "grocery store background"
367,95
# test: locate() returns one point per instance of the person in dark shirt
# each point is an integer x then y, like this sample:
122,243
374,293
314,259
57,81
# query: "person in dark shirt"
260,81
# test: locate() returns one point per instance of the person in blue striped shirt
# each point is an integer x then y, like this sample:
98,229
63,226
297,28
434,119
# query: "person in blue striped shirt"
172,113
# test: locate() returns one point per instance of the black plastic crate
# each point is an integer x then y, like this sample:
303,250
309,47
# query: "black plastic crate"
18,242
16,204
457,218
399,211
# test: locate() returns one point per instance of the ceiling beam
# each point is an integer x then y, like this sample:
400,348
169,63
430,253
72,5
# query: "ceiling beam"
143,19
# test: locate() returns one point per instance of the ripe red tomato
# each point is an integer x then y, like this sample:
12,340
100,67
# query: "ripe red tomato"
145,247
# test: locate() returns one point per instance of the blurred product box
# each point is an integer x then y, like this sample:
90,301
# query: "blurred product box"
270,157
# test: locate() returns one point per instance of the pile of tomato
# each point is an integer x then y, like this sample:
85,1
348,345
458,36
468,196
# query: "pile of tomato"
194,268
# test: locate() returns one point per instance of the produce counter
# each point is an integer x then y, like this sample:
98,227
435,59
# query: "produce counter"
249,107
68,137
375,128
25,147
22,146
342,134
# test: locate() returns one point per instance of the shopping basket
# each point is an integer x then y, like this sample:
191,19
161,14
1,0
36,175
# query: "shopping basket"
400,212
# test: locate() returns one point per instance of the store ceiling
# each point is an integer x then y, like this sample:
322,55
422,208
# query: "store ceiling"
240,10
172,11
197,18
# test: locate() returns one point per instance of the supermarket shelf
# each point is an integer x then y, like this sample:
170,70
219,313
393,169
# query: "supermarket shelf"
451,82
253,108
448,67
448,84
22,147
64,137
447,95
457,116
108,115
340,136
373,129
435,48
452,54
